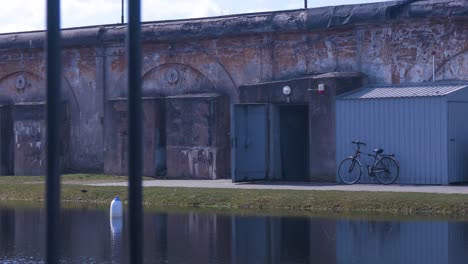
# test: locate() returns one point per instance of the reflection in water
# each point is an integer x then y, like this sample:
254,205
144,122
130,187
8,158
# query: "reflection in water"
401,242
282,240
116,224
87,236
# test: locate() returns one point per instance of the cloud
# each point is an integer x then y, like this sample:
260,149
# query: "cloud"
90,12
22,15
26,15
170,9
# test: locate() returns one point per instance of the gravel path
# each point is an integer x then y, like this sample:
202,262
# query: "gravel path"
228,184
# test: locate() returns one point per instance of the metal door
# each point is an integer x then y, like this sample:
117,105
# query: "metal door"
251,142
458,142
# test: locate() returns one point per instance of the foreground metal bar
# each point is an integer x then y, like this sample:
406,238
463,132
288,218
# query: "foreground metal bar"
135,132
53,135
122,16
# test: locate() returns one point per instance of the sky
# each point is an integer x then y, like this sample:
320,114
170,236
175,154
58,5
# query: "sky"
27,15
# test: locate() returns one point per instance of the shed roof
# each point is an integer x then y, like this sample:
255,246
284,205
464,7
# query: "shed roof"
404,91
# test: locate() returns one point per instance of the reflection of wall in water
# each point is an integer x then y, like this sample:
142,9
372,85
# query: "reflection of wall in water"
215,238
85,236
400,242
7,232
28,236
264,239
201,238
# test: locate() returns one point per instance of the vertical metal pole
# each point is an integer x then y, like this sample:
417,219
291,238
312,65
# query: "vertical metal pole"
53,130
135,131
122,17
305,4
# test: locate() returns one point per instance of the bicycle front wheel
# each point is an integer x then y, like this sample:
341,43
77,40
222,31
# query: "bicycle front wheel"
349,170
386,170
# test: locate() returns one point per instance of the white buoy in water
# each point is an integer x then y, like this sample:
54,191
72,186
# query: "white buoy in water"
116,224
116,208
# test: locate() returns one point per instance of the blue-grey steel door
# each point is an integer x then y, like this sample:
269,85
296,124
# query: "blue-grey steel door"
251,135
458,142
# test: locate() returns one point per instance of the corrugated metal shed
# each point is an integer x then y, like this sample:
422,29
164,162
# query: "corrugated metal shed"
404,91
424,125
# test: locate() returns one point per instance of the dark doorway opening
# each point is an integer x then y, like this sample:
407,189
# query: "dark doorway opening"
6,141
294,142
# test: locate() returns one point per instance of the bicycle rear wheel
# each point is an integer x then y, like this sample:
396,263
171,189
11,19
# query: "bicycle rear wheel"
386,170
349,170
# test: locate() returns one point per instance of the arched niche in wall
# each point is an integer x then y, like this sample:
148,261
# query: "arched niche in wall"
23,87
175,79
17,87
26,93
187,72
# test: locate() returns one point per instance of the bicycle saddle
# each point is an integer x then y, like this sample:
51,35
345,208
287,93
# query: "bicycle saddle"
359,143
378,151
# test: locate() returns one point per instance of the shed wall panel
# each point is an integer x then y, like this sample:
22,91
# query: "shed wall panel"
458,96
458,141
414,129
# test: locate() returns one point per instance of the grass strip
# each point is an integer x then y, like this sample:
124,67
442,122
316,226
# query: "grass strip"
24,189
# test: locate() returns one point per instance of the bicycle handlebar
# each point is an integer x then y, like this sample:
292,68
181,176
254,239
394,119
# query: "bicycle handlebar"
358,143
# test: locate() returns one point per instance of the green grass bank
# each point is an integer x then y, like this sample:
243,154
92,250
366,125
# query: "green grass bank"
73,190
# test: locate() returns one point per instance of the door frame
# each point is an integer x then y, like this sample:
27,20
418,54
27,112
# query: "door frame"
307,109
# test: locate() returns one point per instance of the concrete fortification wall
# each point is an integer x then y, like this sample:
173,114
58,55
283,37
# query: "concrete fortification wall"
391,42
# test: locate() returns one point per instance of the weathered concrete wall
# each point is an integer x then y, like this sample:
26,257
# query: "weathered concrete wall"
390,42
197,129
83,71
116,138
30,139
22,79
29,132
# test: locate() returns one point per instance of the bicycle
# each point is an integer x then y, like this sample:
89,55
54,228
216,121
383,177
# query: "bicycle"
385,167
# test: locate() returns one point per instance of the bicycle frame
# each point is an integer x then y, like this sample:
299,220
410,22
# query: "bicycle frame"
371,171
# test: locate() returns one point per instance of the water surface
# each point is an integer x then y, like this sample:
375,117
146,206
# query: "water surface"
88,236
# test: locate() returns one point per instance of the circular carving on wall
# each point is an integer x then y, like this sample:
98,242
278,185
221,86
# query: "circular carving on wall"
20,82
173,76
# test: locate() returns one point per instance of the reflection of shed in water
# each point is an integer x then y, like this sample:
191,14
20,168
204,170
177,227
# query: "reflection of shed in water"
424,242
